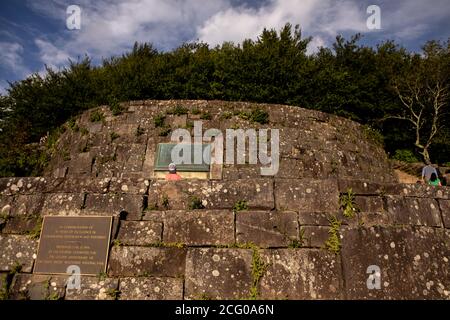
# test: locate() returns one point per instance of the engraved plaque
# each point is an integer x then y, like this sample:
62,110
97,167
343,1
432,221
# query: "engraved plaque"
164,158
68,241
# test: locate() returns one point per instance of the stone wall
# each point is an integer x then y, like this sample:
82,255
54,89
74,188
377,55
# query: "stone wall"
167,251
280,237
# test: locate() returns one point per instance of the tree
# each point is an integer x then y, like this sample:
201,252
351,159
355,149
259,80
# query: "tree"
423,89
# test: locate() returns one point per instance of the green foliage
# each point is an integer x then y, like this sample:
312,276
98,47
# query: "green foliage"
35,233
347,203
159,120
113,293
195,203
96,116
405,155
333,243
139,131
115,107
373,135
347,79
240,206
165,131
114,136
206,116
178,110
165,202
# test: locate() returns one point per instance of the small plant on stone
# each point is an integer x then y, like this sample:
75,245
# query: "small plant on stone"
226,115
195,203
139,131
114,136
206,116
260,116
259,268
84,131
159,121
164,132
117,243
102,276
347,203
240,205
165,202
96,116
178,110
113,293
35,233
196,111
115,107
333,242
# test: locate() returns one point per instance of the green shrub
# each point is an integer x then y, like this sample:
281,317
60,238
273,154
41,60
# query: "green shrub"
405,155
97,116
260,116
240,205
195,203
115,107
159,121
373,135
206,116
178,110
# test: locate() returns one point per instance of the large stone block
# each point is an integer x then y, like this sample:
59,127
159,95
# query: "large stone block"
140,233
218,273
113,204
360,187
257,193
413,262
267,228
28,185
314,236
17,250
63,204
129,185
369,204
313,218
37,287
196,227
445,210
301,274
74,184
133,261
176,195
307,195
93,288
24,213
155,288
414,211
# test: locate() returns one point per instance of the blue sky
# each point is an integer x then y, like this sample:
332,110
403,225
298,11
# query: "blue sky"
33,33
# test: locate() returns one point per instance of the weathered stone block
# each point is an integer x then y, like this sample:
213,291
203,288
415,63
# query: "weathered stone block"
129,185
314,236
414,211
313,218
80,164
155,288
445,210
139,233
307,195
37,287
413,262
369,204
360,187
76,184
112,204
17,250
257,193
301,274
218,273
24,214
176,195
63,204
196,227
132,261
266,228
28,185
93,288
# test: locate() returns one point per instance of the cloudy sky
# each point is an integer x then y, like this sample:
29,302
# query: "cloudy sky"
34,32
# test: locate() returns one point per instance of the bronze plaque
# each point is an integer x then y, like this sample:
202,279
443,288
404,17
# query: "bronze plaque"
73,241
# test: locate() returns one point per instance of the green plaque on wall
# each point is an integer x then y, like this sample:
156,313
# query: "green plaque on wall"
164,157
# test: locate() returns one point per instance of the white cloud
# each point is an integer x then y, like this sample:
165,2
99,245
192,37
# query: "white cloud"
11,58
316,17
110,27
